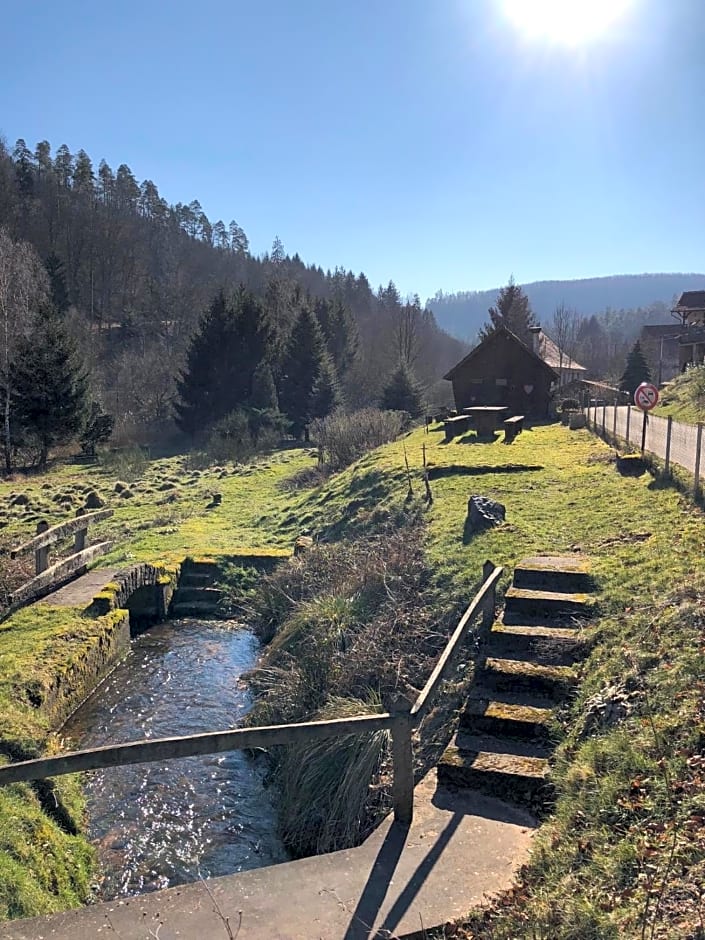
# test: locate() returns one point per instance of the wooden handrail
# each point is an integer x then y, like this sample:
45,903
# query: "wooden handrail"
210,742
60,531
483,601
60,570
400,722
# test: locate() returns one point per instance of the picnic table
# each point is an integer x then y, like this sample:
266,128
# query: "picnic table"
486,417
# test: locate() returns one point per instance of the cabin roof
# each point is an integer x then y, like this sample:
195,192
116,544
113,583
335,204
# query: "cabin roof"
490,340
690,300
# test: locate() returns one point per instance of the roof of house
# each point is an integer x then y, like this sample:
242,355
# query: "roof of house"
551,353
662,329
691,300
502,330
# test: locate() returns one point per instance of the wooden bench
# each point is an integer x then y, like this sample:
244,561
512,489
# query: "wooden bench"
456,425
512,427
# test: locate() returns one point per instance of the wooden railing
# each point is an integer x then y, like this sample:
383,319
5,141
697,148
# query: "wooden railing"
46,575
400,721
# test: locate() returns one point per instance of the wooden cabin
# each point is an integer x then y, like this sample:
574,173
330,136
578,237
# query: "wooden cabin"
503,370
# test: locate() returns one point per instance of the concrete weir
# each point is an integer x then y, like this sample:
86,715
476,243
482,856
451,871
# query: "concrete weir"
460,848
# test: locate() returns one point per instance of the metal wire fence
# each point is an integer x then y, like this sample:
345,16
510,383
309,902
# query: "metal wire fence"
671,441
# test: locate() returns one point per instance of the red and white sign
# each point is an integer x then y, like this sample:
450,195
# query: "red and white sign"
646,396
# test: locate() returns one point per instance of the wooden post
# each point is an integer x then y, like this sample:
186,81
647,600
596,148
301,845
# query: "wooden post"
604,418
402,762
669,430
698,448
79,539
491,599
614,423
41,556
629,418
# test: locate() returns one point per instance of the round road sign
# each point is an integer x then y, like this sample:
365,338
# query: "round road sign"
646,396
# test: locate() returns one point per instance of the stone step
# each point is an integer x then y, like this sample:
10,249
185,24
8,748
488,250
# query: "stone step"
205,566
511,675
553,605
477,763
548,646
195,579
186,595
193,609
510,715
568,573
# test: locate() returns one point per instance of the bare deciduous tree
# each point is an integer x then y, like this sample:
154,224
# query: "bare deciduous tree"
564,329
23,286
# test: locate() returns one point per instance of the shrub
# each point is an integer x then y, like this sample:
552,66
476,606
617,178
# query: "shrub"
243,433
128,463
343,438
570,404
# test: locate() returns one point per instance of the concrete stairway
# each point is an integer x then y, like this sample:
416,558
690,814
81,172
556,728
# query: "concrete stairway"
195,595
505,737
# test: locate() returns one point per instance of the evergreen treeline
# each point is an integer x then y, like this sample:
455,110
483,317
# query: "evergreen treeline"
132,275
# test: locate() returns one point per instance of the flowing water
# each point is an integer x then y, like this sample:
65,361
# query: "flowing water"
168,822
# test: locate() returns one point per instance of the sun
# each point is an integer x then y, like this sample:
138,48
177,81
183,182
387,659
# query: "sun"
570,22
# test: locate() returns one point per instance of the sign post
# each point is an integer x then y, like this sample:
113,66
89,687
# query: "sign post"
646,398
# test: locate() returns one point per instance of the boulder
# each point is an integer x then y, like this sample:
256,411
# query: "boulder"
577,421
94,500
483,513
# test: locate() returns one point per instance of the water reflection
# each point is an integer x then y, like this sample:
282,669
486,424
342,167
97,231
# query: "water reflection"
161,824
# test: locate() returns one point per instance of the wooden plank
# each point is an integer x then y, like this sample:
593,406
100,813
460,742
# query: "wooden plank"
211,742
446,657
60,570
402,763
62,530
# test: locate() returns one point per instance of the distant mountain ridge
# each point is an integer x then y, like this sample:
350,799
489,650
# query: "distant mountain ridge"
463,314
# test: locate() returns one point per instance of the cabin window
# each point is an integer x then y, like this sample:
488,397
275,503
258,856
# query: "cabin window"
500,381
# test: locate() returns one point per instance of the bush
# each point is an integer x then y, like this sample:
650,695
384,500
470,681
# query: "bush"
570,404
344,438
243,433
129,463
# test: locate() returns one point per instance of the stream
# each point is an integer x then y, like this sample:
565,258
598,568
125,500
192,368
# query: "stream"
169,822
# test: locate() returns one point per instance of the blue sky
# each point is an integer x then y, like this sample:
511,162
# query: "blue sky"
429,141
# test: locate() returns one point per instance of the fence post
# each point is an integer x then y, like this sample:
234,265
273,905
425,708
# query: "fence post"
629,419
402,762
604,418
698,448
614,423
669,430
41,555
488,605
79,541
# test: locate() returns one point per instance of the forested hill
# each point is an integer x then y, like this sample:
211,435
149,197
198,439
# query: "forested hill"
138,274
462,314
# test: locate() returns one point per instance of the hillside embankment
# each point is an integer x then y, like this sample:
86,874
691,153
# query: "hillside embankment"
624,848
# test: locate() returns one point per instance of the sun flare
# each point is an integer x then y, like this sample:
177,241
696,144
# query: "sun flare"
571,22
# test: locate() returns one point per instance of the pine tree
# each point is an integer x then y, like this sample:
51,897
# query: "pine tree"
264,391
403,393
340,332
49,385
636,370
203,386
57,283
511,310
233,340
308,385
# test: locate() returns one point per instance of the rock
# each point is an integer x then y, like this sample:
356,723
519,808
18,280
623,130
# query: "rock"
302,544
168,485
120,486
20,500
577,421
631,465
483,513
126,493
94,500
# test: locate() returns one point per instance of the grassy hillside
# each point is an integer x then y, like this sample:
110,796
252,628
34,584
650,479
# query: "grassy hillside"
684,398
626,844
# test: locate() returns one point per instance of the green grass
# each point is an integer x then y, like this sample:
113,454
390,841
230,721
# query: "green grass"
683,399
625,846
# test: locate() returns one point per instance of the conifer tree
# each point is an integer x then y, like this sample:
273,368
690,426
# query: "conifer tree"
57,283
203,386
264,391
511,310
49,385
403,393
636,370
340,332
308,385
232,341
